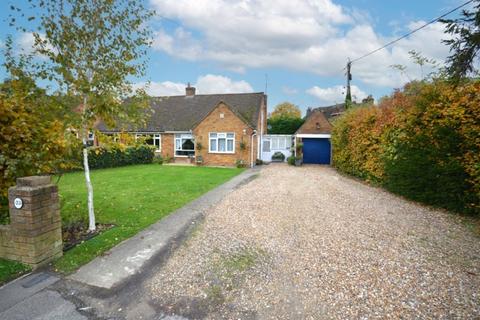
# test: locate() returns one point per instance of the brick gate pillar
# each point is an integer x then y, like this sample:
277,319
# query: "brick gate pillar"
34,235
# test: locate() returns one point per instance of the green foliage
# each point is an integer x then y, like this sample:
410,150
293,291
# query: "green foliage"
284,125
278,156
11,269
240,163
465,43
421,142
158,159
291,160
100,157
131,198
286,110
33,134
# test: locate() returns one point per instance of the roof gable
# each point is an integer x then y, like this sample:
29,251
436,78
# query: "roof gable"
229,108
316,123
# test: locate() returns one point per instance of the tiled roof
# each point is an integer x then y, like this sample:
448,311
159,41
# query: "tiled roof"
330,111
182,113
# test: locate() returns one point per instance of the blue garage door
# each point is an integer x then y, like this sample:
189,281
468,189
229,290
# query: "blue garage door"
316,150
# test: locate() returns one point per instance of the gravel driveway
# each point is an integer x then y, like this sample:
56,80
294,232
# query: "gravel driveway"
307,243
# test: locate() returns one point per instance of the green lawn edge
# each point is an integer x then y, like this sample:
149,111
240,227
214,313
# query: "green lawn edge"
10,270
153,192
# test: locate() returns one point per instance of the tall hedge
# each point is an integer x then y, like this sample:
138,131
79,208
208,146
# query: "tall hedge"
108,157
422,142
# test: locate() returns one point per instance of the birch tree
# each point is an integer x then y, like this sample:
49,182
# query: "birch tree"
91,49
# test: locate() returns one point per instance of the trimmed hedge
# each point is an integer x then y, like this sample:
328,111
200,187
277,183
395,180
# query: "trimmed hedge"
422,142
100,157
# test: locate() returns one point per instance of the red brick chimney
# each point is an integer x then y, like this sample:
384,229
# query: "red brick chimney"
189,91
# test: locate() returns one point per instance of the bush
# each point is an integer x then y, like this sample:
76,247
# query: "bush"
100,157
421,142
291,160
259,162
278,156
240,163
158,159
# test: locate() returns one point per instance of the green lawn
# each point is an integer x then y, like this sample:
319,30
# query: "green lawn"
11,269
131,198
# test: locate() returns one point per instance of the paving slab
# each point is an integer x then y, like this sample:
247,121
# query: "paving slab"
23,288
127,259
44,305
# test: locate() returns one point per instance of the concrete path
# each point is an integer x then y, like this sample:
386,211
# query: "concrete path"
86,293
129,257
29,298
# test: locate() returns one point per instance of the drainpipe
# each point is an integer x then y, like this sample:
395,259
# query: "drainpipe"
251,148
260,138
295,146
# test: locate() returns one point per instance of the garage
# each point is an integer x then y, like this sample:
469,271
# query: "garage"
314,138
316,150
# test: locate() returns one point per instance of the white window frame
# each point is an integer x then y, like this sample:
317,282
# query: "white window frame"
180,137
154,136
157,137
221,135
280,143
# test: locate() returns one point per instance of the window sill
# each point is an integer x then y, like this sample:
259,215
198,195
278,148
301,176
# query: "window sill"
218,152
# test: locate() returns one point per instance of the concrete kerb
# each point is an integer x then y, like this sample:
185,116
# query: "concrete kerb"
126,261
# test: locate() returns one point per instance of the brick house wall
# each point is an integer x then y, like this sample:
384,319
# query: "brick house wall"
315,123
168,145
223,119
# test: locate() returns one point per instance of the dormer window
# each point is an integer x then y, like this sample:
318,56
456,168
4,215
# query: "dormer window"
318,125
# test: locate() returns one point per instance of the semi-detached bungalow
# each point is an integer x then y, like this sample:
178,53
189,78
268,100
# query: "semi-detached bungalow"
206,129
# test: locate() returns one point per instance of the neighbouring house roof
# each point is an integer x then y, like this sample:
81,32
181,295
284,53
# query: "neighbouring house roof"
329,111
315,123
182,113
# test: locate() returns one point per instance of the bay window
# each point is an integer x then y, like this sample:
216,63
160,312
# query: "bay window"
221,142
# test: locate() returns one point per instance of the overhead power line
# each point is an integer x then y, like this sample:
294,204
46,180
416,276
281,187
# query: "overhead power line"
411,32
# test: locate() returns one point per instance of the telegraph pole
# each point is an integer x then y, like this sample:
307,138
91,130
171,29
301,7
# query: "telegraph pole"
348,97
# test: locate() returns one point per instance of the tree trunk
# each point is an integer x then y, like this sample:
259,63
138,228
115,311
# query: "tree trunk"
91,213
86,169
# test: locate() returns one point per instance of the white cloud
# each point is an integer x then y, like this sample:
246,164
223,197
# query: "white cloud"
26,41
335,94
205,85
219,84
304,35
166,88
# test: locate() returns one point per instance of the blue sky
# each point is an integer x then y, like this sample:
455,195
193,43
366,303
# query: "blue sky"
300,46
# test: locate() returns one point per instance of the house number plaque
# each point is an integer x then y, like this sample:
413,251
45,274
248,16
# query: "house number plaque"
18,203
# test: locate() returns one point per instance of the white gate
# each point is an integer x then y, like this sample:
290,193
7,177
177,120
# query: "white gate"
272,143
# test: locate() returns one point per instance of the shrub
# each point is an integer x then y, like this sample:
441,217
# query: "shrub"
291,160
158,159
278,156
240,163
100,157
421,142
259,162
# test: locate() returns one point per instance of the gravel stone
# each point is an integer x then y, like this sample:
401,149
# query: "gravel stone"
308,243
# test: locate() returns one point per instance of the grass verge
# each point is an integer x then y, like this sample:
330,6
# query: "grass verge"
11,269
131,198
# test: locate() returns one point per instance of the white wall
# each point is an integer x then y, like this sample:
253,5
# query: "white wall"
272,143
